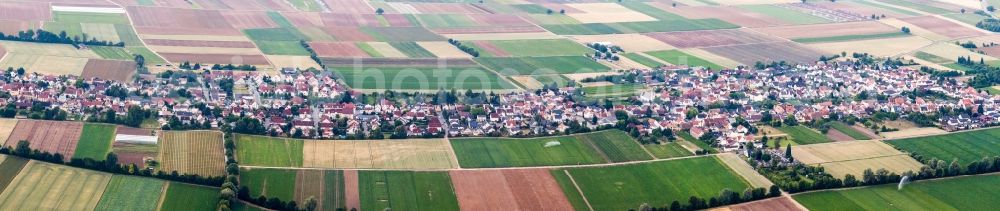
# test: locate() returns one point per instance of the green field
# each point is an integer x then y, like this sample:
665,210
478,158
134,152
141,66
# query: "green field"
268,151
95,143
677,57
398,190
269,182
531,8
785,14
306,5
151,58
116,53
558,80
804,135
128,193
964,146
88,17
474,78
667,150
849,131
542,65
621,90
412,50
293,48
368,49
444,20
850,37
71,29
964,193
534,48
638,27
271,34
181,196
402,34
918,6
931,57
645,61
9,167
590,148
658,183
701,144
967,18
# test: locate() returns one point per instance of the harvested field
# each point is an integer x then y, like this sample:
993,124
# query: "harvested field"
628,42
744,169
131,193
249,19
159,20
134,153
268,151
7,128
47,136
406,190
380,154
25,11
840,158
915,30
205,50
46,49
527,189
10,166
381,49
963,193
216,58
867,8
695,39
193,152
109,69
877,47
337,49
301,62
943,27
951,52
599,13
729,14
200,43
913,132
443,50
828,30
964,146
767,52
783,203
402,34
45,64
44,186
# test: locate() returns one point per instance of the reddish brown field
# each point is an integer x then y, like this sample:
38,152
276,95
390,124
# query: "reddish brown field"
992,50
694,39
14,26
836,135
216,58
349,20
733,15
200,43
133,153
47,136
942,27
398,62
522,189
109,69
397,20
257,5
435,8
352,197
337,49
77,3
249,19
158,20
557,7
490,48
350,6
767,52
133,131
828,30
304,19
348,34
25,11
774,204
489,30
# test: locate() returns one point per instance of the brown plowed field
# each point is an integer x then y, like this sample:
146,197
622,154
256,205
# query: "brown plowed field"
730,14
773,204
767,52
828,30
521,189
435,8
695,39
47,136
350,6
200,43
109,69
397,20
133,131
337,49
348,34
395,62
942,27
836,135
249,19
133,153
352,198
216,58
25,11
14,26
194,152
159,20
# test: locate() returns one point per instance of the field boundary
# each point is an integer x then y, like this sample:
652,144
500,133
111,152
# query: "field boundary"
584,196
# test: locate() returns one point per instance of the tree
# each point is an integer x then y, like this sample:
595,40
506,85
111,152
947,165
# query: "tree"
548,11
788,151
645,207
310,203
905,29
379,11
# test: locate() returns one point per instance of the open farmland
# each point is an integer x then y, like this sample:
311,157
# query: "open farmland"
326,186
767,52
268,151
879,47
534,48
47,136
181,196
964,146
405,190
271,183
694,39
7,128
542,65
42,185
668,150
128,193
784,14
523,189
742,168
109,69
735,15
116,53
10,166
422,78
380,154
590,148
193,152
841,158
782,203
96,141
852,131
624,187
963,193
828,30
677,57
57,59
804,135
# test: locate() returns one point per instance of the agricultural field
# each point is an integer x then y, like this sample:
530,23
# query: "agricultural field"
326,186
47,136
531,48
853,131
406,190
42,185
780,203
96,144
279,183
57,59
853,157
623,187
378,154
964,146
804,135
422,78
193,152
181,196
115,53
10,166
677,57
268,151
612,91
667,150
542,65
131,193
521,189
7,128
962,193
590,148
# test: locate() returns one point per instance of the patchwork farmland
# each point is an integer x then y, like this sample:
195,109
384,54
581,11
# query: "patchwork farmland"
591,148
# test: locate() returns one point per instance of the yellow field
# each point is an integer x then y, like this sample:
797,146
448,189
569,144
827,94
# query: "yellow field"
47,49
911,132
952,52
444,50
853,157
386,50
877,47
628,42
43,186
527,81
303,62
195,152
743,169
101,31
6,127
54,65
380,154
915,30
606,13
